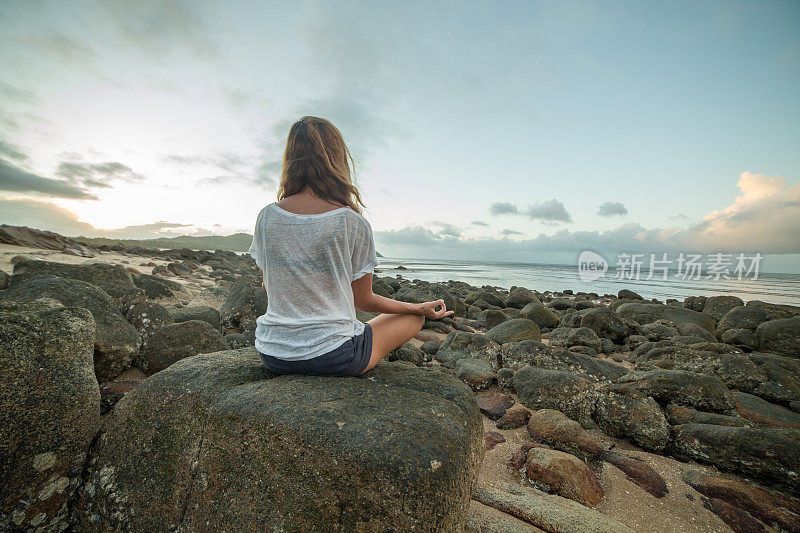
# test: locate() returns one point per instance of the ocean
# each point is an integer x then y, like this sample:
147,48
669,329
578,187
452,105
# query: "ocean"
772,288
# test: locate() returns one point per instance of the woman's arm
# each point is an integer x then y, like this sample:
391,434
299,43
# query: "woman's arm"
368,301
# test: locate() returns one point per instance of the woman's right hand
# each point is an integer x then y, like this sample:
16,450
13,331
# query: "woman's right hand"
428,309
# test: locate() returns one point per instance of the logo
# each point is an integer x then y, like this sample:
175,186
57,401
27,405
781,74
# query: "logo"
591,266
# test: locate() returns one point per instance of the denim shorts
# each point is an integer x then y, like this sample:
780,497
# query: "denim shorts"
349,359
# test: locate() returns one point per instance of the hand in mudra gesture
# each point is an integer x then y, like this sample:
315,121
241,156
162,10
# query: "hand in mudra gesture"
428,309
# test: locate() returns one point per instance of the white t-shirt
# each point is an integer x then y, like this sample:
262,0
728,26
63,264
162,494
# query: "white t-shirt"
308,263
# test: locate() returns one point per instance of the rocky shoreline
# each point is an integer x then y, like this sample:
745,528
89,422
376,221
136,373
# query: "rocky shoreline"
133,396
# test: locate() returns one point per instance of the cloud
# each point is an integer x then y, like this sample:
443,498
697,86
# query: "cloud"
503,208
764,217
234,168
58,46
447,229
610,209
479,223
679,216
49,216
511,232
551,211
97,174
11,152
15,179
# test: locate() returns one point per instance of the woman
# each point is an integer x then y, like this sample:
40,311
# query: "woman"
316,253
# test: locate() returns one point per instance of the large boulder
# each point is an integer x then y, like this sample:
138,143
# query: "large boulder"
626,413
461,344
520,297
646,313
518,354
771,455
159,289
606,323
114,280
515,330
747,317
700,391
116,342
719,306
244,304
539,388
780,336
568,337
197,312
215,442
542,316
49,410
173,342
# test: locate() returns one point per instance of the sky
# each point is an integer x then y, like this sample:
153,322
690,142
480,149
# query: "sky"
506,131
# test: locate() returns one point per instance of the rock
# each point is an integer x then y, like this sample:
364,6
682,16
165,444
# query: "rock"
179,269
637,471
768,454
548,512
493,404
197,312
212,297
762,413
49,410
679,414
606,324
779,336
517,354
782,382
768,506
174,342
737,519
244,304
568,337
116,341
476,373
635,416
514,418
407,352
113,391
659,331
487,296
47,240
114,280
745,339
492,439
461,344
160,290
626,294
494,317
520,297
646,313
484,519
746,317
563,474
719,306
683,388
538,388
232,447
554,428
4,280
542,316
515,330
147,317
430,347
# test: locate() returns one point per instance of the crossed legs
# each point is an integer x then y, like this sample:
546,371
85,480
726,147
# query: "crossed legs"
390,331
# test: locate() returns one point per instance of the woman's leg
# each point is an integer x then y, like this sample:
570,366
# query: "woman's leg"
390,331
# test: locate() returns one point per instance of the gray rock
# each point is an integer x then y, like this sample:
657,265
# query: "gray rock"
515,330
4,280
116,341
719,306
626,294
622,412
745,339
147,317
567,337
700,391
407,352
49,410
606,324
539,388
780,336
244,304
476,373
747,317
769,455
174,342
231,447
159,289
646,313
493,317
542,316
211,297
461,344
197,312
114,280
520,297
679,414
763,413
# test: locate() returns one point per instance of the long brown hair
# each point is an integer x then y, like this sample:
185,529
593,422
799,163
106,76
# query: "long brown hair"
317,157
